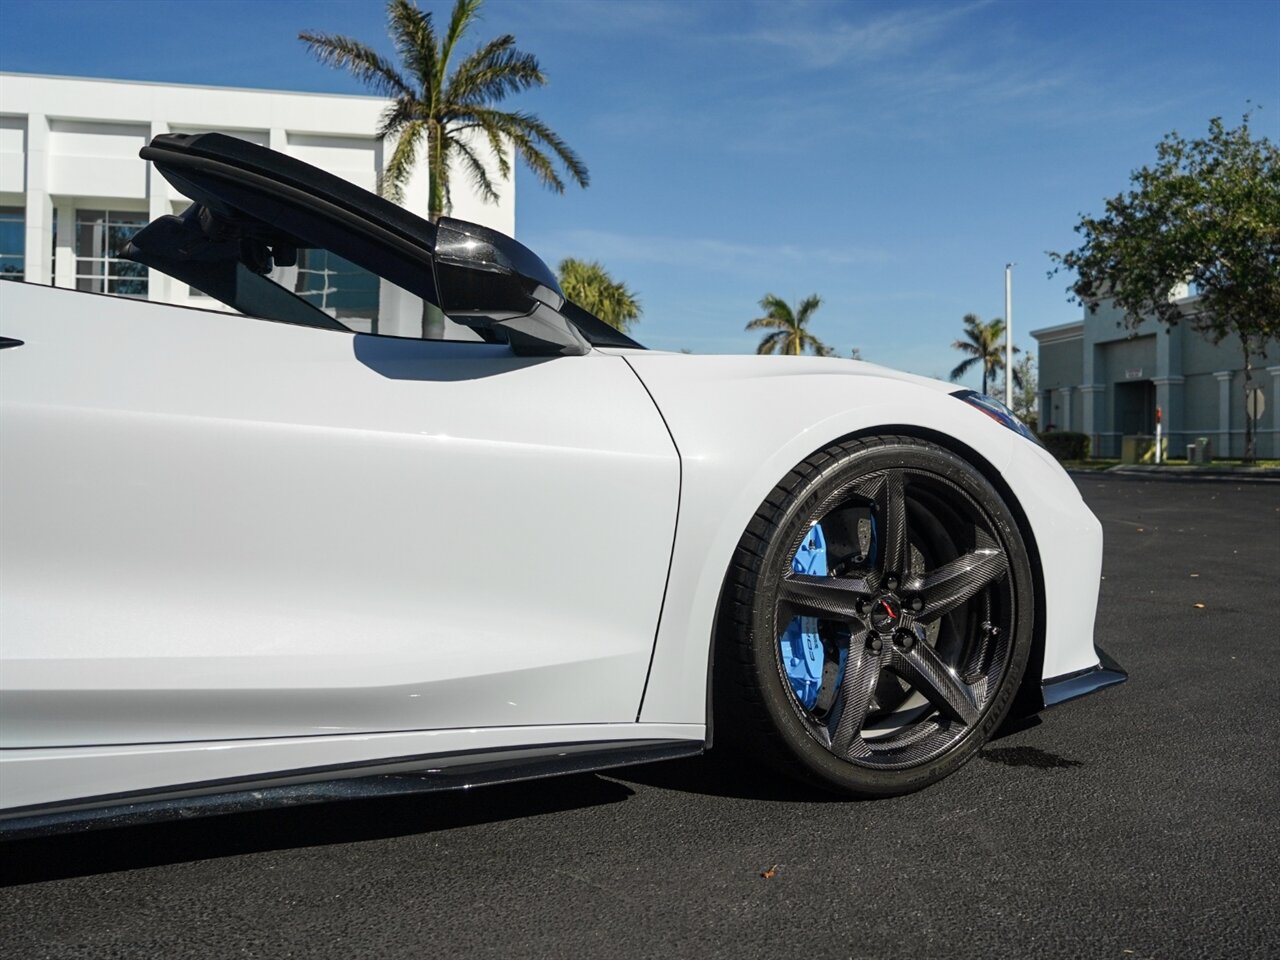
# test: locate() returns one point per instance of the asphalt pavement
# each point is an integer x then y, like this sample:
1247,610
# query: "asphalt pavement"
1142,822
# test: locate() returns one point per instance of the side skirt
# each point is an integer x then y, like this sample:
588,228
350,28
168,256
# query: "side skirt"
395,777
1072,686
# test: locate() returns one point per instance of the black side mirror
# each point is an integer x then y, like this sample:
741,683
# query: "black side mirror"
486,280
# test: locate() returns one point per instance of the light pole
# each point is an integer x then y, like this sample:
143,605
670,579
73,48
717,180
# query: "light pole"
1008,334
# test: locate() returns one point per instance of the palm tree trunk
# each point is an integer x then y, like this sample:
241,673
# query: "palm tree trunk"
433,316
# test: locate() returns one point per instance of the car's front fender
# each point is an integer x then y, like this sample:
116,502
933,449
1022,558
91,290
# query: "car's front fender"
741,423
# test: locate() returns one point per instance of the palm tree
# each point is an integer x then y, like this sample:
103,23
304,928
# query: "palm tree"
985,345
448,112
789,334
588,284
446,109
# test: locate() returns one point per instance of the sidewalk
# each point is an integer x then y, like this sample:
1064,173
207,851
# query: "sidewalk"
1167,472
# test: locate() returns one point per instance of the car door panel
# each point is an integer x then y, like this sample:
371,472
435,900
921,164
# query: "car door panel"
216,527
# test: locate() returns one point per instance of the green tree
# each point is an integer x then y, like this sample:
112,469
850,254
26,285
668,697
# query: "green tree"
984,343
790,327
1206,213
446,113
589,285
1026,385
827,351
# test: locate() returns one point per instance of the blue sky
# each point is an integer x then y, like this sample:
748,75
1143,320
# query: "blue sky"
891,157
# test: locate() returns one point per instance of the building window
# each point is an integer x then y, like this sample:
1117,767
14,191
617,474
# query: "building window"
13,243
100,236
339,288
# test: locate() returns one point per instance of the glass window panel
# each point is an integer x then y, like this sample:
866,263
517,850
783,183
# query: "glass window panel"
336,286
89,233
12,230
127,287
119,234
101,236
13,243
126,268
11,268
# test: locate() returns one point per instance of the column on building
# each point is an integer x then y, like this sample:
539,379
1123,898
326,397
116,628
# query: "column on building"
36,228
1090,409
64,263
159,284
1168,381
1169,403
1064,398
1223,447
1275,410
1091,391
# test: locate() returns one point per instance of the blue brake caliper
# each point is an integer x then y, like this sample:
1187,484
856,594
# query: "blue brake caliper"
802,653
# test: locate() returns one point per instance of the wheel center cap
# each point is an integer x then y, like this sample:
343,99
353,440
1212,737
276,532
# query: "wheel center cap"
885,614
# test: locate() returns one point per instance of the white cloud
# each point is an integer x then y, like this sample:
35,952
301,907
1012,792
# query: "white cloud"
822,41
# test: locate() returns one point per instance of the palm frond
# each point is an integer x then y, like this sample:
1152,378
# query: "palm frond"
767,323
809,342
414,36
464,13
807,306
476,170
963,367
397,115
400,166
363,62
588,284
493,73
526,133
770,343
774,306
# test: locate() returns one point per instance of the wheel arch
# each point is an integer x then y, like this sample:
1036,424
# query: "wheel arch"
1029,699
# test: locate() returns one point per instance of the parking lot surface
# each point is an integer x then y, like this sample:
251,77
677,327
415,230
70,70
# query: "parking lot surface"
1141,822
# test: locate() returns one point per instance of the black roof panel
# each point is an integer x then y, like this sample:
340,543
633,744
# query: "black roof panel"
272,165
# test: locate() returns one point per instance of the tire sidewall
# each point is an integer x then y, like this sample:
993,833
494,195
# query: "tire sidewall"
785,713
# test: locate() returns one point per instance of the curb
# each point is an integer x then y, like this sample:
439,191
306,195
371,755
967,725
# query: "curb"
1237,474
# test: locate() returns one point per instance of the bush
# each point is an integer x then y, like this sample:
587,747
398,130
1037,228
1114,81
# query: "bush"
1066,444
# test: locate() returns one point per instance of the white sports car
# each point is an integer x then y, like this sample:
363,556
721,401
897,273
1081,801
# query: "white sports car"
278,553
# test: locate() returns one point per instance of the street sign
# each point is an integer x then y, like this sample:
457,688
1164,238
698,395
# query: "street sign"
1255,403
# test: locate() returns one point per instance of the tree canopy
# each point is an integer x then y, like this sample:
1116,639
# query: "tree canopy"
790,333
450,112
1026,383
588,284
1205,214
984,344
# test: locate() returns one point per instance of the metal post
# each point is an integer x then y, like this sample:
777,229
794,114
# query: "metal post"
1008,335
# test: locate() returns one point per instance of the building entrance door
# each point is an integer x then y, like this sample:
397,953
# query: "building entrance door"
1135,412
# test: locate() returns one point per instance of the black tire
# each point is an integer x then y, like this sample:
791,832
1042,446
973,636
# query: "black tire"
925,619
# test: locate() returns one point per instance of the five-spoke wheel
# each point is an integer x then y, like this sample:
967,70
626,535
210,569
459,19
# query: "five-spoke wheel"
878,617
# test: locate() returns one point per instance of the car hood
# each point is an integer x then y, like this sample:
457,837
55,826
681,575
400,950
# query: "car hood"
764,367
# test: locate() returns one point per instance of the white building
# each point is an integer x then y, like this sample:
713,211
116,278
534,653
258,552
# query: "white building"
73,188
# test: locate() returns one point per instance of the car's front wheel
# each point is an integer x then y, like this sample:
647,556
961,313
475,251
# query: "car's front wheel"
876,620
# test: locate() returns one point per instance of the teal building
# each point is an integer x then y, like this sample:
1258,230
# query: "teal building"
1100,377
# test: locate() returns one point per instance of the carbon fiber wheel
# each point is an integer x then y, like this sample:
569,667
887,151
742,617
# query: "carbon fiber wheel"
877,618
